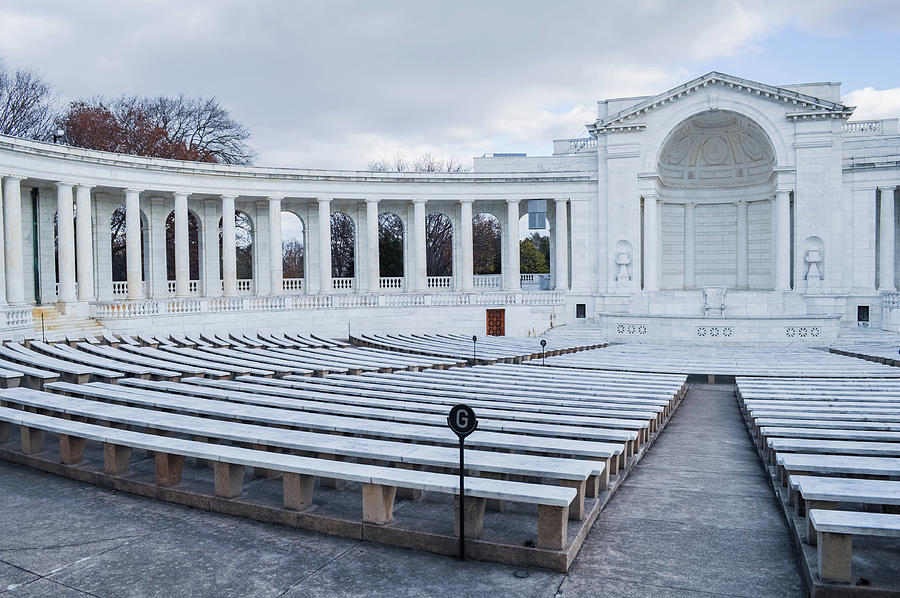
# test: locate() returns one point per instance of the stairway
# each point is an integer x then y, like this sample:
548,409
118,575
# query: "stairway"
58,323
849,333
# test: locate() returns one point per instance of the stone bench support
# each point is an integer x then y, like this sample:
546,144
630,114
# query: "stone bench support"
116,458
553,525
168,469
475,508
32,440
229,479
298,491
835,552
576,508
71,449
378,503
4,432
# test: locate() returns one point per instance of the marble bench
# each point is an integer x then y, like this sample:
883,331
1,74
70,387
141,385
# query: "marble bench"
73,354
136,358
788,464
379,484
66,369
831,447
834,532
167,354
814,492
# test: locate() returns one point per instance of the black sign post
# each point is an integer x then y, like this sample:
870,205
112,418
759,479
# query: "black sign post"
463,422
474,342
543,350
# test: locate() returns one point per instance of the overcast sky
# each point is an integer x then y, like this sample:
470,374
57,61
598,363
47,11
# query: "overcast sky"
336,84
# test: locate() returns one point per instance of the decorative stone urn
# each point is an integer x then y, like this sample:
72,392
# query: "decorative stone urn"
622,261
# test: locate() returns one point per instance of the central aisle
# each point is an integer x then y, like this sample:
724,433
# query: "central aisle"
697,517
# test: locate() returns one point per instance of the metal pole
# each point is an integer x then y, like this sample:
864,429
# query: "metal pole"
43,334
462,502
474,341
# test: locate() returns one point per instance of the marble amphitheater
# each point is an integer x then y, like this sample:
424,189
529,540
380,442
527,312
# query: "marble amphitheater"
703,394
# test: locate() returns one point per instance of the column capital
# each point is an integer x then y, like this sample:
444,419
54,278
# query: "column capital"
131,190
515,201
887,188
741,203
11,178
180,193
468,200
225,197
324,200
783,191
372,200
420,200
690,204
64,184
560,200
274,198
84,186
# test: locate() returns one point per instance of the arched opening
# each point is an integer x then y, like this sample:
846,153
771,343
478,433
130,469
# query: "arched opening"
118,249
193,249
293,251
438,245
716,174
343,246
486,244
390,245
243,249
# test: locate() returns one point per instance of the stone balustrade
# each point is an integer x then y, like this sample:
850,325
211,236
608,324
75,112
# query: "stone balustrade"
117,310
439,282
488,281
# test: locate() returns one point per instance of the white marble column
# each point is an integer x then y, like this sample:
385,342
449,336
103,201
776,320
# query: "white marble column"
561,245
651,242
12,236
886,243
466,246
781,220
65,242
325,245
84,248
276,261
511,268
420,264
133,244
210,255
182,258
373,269
690,277
229,254
743,247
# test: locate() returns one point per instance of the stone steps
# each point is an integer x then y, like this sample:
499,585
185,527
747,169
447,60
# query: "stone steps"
57,322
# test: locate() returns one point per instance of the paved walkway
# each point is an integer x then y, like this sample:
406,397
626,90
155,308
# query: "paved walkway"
695,519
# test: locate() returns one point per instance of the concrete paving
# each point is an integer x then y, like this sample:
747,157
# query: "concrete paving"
696,518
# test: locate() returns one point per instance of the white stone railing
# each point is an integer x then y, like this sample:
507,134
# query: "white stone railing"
487,281
19,317
56,288
388,283
191,305
244,285
890,300
439,282
119,289
535,281
865,127
342,285
193,287
292,285
574,146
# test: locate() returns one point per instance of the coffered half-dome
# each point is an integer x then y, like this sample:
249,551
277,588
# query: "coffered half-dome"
717,148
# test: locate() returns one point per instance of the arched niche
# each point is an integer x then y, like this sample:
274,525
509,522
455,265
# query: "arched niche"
343,246
293,246
438,244
390,245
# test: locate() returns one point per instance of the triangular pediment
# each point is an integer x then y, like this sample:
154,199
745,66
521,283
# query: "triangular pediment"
803,105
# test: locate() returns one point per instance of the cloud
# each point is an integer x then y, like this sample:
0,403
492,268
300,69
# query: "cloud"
336,84
874,103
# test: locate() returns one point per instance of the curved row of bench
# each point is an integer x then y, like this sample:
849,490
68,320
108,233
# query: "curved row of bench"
833,445
562,441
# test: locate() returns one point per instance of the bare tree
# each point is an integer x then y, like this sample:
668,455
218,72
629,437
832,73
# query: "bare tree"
197,129
438,245
390,245
343,241
27,107
427,162
486,243
292,258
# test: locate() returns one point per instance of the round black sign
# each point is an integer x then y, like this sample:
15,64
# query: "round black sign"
462,420
543,343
